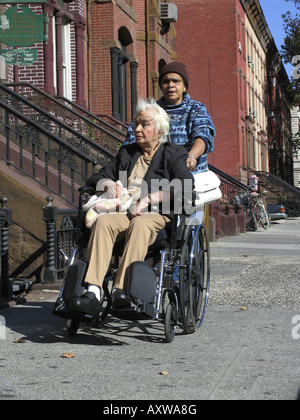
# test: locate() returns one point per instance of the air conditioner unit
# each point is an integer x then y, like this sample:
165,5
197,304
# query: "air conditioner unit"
168,12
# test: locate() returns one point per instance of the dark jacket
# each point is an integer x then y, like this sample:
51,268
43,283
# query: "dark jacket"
168,163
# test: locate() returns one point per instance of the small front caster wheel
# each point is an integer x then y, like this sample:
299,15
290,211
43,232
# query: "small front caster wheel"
72,327
170,322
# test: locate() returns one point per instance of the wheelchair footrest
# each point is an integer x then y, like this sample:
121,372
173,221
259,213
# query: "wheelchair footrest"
143,311
60,309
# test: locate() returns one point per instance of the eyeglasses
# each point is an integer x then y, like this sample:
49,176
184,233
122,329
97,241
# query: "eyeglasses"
167,81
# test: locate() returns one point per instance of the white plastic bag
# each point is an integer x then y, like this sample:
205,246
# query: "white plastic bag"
207,187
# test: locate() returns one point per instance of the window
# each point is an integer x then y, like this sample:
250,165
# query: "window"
67,75
54,55
120,70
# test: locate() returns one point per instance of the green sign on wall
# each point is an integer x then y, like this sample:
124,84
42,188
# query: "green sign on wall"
11,56
21,28
26,58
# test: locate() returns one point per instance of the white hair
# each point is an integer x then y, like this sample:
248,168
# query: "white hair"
160,116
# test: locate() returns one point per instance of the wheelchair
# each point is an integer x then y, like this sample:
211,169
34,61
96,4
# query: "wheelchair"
171,286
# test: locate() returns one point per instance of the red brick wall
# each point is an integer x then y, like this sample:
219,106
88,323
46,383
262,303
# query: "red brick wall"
107,18
35,74
212,31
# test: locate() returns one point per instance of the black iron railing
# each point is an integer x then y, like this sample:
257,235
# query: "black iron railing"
60,242
5,222
230,186
281,192
59,163
105,130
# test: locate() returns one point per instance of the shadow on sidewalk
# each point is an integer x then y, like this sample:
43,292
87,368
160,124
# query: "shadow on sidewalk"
34,322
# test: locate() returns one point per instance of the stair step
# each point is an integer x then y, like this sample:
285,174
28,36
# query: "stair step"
40,175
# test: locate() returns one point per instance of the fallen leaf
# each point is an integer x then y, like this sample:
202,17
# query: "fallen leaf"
68,355
163,373
19,340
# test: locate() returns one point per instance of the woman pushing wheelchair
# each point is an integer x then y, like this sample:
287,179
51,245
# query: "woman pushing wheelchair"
133,177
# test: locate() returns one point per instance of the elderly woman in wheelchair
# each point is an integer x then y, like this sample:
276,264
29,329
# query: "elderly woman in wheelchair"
143,237
139,173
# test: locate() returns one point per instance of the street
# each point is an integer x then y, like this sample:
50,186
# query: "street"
247,348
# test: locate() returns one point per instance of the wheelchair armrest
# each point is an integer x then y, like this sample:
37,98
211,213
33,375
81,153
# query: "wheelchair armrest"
83,190
86,189
186,202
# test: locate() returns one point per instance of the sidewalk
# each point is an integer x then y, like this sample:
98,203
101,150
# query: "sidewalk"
41,291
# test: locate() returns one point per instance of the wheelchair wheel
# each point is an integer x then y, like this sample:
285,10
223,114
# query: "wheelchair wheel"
194,278
201,255
170,324
105,301
72,327
186,304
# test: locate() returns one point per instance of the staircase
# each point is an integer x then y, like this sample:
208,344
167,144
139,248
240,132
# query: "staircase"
48,147
280,192
52,141
59,144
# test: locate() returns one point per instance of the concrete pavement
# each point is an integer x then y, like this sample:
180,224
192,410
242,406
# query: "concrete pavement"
247,348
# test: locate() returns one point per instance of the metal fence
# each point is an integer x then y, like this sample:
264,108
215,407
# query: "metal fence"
61,241
5,222
46,149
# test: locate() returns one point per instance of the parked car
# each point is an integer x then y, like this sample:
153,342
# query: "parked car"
276,211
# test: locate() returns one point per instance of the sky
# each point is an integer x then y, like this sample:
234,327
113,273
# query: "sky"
273,9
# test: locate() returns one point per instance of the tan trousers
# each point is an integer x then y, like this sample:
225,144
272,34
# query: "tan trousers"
139,234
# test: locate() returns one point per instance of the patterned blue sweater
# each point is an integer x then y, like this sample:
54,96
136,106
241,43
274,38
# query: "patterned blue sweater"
188,121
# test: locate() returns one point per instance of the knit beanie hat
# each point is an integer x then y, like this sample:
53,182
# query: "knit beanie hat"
175,67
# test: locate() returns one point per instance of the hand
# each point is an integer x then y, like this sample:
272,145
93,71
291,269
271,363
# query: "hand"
139,207
113,189
191,163
196,151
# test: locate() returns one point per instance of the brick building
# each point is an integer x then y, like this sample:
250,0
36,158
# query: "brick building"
101,54
231,57
296,131
61,59
104,54
128,44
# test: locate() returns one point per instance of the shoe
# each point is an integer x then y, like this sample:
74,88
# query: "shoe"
119,299
87,303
